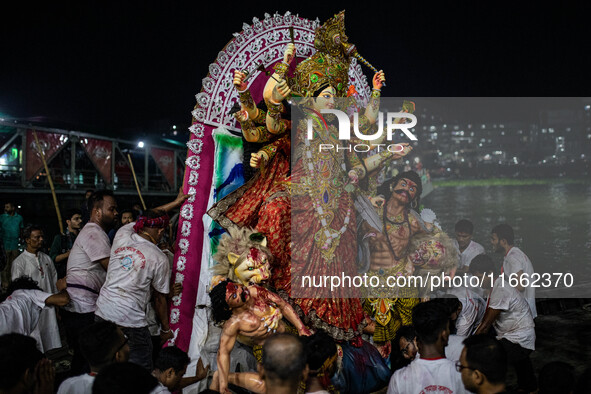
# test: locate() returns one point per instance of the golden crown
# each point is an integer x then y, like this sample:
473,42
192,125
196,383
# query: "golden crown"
329,66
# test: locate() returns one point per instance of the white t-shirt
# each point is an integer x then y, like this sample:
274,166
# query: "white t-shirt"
81,384
473,308
136,265
515,322
160,389
454,347
91,245
428,377
516,261
472,250
41,269
20,312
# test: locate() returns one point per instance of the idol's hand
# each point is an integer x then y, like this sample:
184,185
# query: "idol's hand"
304,331
241,116
378,80
289,53
238,81
353,177
280,92
402,149
377,202
258,159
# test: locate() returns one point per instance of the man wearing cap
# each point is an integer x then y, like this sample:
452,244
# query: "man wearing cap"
138,268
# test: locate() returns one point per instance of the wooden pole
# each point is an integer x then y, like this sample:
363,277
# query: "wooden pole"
137,186
57,208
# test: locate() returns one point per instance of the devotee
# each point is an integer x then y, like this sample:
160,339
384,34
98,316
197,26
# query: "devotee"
466,246
137,270
240,308
124,378
322,362
20,310
11,224
454,344
62,243
127,216
483,365
515,263
471,309
87,270
432,369
169,368
37,265
23,369
284,364
509,314
101,344
406,340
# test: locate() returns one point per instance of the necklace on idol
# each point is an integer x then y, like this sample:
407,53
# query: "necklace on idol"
329,234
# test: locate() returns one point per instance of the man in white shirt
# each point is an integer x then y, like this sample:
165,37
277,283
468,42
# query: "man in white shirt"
471,312
136,267
37,265
432,372
87,270
508,312
468,249
20,310
101,343
515,264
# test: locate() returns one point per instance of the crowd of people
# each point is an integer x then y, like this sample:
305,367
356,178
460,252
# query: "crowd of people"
102,310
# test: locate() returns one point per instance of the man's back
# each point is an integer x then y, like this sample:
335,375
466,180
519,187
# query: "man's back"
136,265
81,384
91,245
21,310
437,376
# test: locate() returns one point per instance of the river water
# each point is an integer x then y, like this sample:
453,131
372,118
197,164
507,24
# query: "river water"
552,224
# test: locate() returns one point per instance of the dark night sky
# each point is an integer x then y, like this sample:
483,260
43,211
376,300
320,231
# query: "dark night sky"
107,68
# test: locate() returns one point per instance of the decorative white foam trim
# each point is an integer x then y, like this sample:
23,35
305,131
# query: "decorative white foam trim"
181,263
184,245
187,214
193,162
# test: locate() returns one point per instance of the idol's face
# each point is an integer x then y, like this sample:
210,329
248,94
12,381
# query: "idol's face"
236,295
325,99
405,191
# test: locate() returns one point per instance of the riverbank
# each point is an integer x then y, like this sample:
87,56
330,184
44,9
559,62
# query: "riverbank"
508,182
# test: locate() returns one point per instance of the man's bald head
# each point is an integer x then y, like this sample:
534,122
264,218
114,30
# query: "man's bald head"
284,358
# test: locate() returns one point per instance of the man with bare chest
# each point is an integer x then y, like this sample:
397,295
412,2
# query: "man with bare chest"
388,248
250,313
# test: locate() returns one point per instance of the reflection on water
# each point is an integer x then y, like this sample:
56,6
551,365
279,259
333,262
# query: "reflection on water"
552,223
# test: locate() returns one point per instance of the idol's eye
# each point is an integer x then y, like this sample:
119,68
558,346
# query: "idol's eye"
403,184
250,268
234,295
412,189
